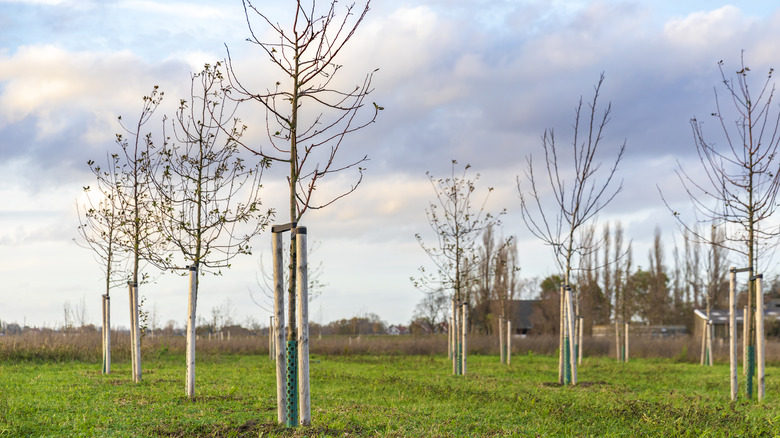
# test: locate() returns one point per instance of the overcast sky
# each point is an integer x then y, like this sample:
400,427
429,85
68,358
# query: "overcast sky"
477,81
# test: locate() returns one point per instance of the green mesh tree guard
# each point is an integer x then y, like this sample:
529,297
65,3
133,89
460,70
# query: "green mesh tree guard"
292,384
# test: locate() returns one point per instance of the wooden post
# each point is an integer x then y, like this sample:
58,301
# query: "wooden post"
304,398
132,330
733,334
703,341
271,337
455,338
562,329
710,333
450,327
618,344
508,341
279,345
191,321
135,333
501,339
579,344
760,336
745,336
465,325
107,334
103,331
570,320
626,340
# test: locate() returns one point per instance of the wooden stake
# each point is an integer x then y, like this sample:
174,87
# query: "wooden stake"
760,336
455,338
562,329
579,343
271,343
626,340
745,341
108,335
733,334
570,329
464,324
190,353
304,398
710,333
279,346
501,343
508,341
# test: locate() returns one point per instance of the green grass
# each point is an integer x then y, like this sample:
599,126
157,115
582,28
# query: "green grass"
383,396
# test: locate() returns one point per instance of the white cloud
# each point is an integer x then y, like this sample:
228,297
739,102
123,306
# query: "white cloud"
705,29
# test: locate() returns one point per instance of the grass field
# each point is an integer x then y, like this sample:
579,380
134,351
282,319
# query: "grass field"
398,395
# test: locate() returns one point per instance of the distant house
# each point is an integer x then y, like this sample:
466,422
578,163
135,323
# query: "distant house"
720,318
520,312
397,330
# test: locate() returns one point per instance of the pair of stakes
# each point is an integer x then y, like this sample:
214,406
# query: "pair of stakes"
292,357
752,353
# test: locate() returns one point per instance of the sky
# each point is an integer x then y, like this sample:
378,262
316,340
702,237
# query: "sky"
477,81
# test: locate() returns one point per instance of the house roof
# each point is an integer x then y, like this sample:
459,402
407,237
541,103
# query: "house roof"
520,312
722,316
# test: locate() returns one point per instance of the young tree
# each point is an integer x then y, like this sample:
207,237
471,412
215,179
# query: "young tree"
308,116
457,225
98,227
208,197
127,178
580,186
742,176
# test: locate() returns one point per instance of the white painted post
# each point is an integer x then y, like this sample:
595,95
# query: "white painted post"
733,334
760,336
626,336
501,343
190,353
508,341
464,323
304,397
579,344
570,326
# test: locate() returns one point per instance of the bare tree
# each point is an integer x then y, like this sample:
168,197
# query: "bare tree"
126,178
98,227
578,198
742,176
308,117
208,197
457,225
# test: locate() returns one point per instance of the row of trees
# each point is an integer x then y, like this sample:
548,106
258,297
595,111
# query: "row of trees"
187,199
561,198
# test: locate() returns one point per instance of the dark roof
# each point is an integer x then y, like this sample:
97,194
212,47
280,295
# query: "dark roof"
722,316
520,311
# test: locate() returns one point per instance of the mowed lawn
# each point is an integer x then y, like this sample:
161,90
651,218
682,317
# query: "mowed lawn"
365,395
